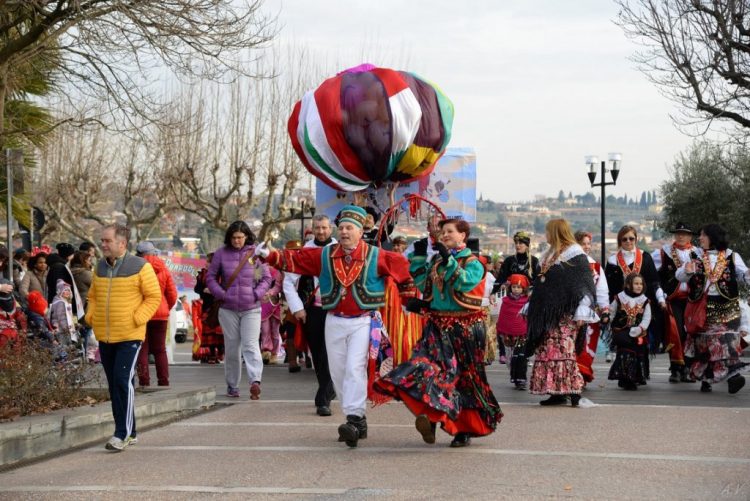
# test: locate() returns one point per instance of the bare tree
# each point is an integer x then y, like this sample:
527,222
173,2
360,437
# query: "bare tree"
88,177
698,53
229,157
114,49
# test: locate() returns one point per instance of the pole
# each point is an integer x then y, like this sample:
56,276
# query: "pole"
302,223
11,156
603,184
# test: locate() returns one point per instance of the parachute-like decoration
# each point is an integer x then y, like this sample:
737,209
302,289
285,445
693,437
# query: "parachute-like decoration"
368,126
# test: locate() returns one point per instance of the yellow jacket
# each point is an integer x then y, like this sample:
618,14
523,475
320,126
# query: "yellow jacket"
122,298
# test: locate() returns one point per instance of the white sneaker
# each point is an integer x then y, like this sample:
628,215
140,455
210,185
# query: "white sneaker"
115,444
131,440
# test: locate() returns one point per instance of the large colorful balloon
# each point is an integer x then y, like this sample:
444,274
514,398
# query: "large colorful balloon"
370,125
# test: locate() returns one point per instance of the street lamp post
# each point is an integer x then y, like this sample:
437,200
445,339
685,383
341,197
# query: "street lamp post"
300,214
591,161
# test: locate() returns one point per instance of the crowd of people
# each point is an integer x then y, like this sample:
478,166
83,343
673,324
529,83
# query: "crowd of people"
339,305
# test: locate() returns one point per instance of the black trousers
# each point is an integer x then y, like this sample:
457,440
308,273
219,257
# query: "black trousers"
314,329
678,308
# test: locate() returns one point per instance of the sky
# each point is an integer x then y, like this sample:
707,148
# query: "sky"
536,84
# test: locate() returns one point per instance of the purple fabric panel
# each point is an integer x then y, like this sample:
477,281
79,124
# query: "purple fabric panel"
366,121
431,132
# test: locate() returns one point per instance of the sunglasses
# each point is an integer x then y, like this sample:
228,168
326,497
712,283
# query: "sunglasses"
627,239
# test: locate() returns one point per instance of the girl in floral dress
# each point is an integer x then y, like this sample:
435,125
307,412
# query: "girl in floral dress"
631,315
559,308
444,380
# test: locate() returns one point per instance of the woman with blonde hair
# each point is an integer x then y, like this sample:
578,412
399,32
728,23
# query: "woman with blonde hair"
560,306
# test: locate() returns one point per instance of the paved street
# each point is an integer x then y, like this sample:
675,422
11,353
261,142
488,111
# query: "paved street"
661,442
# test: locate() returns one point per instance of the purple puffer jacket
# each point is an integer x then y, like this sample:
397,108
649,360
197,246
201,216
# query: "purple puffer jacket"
246,291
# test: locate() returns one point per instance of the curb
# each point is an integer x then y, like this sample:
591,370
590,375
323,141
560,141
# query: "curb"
33,437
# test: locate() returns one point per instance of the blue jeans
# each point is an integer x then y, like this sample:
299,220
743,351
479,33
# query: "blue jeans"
118,362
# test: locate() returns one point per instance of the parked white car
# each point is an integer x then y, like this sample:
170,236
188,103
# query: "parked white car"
181,323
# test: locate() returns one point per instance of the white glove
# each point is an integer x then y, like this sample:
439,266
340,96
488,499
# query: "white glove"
635,331
262,250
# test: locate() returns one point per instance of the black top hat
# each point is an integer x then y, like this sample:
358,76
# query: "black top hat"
681,227
473,244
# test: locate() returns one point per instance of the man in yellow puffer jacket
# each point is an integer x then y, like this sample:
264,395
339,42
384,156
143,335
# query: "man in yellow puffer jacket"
123,297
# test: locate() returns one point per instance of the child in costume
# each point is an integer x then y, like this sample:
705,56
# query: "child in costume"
61,314
631,315
511,325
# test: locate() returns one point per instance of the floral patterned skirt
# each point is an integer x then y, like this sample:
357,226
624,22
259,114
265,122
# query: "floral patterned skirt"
555,370
445,380
715,353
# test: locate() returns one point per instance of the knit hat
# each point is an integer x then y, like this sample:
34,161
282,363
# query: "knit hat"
65,250
146,248
352,214
522,237
7,303
36,302
62,286
518,279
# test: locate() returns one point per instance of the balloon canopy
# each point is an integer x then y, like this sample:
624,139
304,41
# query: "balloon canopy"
368,125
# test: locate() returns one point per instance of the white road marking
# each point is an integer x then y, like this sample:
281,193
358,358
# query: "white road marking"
172,488
444,450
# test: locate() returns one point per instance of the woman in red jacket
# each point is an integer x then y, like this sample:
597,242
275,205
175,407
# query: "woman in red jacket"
156,328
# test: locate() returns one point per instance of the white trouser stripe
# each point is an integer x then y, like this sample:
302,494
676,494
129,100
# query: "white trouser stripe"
131,395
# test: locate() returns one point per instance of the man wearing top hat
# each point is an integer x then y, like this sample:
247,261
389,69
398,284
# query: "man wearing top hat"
351,275
668,260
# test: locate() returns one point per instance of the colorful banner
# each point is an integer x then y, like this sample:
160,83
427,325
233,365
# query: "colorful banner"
184,267
452,185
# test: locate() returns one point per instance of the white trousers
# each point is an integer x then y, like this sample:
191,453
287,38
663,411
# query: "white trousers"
348,345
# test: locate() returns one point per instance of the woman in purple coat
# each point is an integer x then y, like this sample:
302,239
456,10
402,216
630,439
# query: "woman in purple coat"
239,314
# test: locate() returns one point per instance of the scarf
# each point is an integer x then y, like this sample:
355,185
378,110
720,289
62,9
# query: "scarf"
558,296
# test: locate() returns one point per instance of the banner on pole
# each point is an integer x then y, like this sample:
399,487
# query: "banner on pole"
452,185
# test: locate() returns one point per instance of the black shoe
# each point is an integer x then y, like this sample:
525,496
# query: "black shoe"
323,410
308,362
425,428
735,383
349,433
554,400
685,376
705,387
574,399
629,386
461,440
294,368
674,376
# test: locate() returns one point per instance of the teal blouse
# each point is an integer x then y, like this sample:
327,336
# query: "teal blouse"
455,277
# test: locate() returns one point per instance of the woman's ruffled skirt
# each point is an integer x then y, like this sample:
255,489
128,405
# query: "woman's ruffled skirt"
715,353
555,370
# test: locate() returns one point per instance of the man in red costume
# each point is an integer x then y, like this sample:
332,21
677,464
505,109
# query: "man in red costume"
351,275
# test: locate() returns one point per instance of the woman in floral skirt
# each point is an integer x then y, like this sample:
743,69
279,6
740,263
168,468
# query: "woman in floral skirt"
444,381
713,281
559,307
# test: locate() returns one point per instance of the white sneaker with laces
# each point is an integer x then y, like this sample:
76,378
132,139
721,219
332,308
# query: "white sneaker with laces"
115,444
132,440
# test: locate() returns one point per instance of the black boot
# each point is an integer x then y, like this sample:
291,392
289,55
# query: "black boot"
705,387
685,375
574,399
461,440
735,383
555,400
674,376
426,428
354,429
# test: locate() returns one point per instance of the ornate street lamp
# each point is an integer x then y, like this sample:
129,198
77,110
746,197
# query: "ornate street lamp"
615,160
300,214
